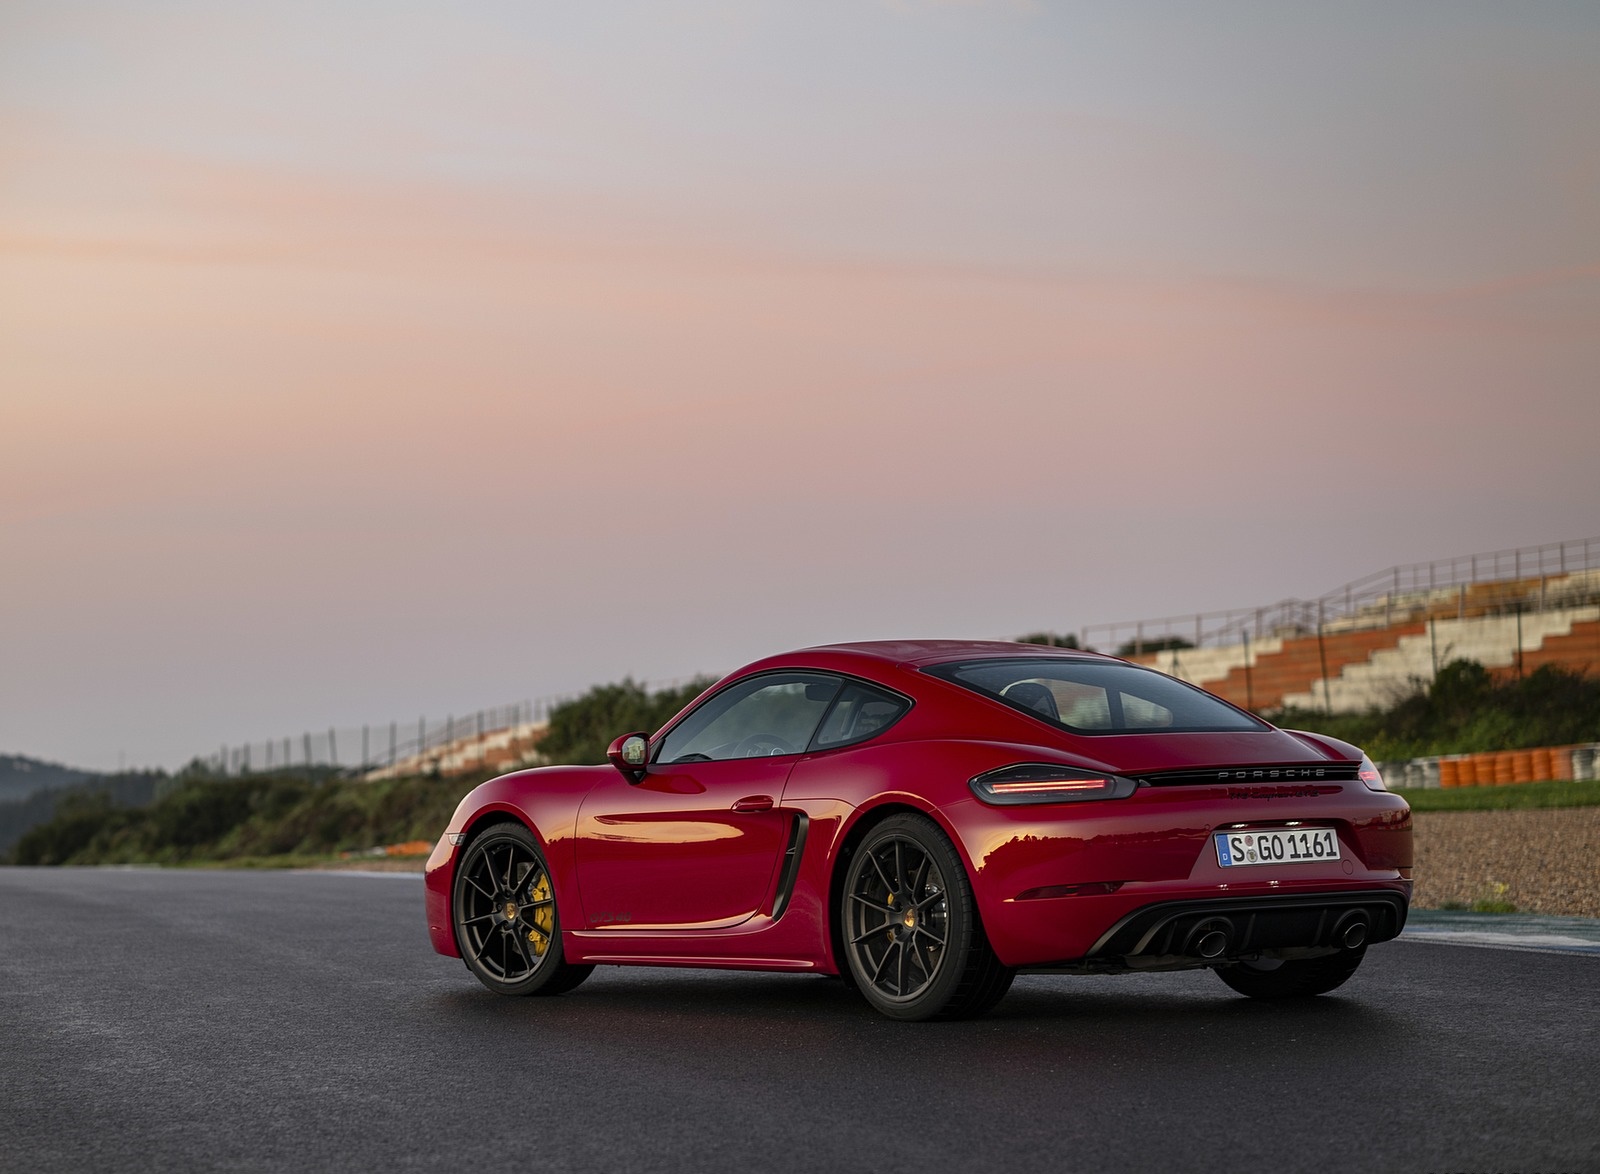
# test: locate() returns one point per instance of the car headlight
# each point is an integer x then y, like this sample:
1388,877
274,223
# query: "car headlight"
1044,782
1371,776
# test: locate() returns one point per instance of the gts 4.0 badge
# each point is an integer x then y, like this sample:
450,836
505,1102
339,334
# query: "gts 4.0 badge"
611,918
1279,792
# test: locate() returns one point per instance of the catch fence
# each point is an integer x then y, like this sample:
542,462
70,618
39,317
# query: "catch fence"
425,744
359,749
1528,579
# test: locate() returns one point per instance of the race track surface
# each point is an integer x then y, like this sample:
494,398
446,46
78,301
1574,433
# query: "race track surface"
163,1020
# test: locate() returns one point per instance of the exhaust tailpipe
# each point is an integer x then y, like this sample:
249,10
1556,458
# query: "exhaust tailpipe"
1353,930
1209,939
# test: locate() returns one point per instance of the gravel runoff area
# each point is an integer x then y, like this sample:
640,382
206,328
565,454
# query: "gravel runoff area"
1547,859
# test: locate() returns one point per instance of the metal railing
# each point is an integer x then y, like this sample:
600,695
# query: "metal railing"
363,748
1532,579
367,748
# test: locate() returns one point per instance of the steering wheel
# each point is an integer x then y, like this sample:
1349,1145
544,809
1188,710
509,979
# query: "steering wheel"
762,746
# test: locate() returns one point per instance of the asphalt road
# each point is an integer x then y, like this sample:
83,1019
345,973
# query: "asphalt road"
275,1021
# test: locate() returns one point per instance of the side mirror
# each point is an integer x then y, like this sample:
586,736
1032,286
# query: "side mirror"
628,755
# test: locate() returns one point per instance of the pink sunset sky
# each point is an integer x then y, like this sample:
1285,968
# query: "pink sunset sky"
365,360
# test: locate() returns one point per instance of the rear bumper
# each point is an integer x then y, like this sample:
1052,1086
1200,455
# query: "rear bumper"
1054,885
1251,925
1149,921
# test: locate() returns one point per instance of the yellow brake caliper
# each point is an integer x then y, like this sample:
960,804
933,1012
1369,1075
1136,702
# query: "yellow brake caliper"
544,916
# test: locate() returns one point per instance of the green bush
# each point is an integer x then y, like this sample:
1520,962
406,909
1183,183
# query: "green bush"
204,819
1465,709
1053,639
582,729
199,817
1158,644
79,821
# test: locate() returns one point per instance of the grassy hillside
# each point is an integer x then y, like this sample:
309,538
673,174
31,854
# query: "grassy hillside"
283,816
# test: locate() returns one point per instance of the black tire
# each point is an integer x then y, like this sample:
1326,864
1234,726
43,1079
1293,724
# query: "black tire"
913,943
506,922
1298,979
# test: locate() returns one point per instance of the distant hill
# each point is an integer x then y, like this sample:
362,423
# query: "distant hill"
21,777
99,791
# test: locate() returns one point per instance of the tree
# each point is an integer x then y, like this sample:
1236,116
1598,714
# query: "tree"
582,729
1155,644
1051,638
1467,708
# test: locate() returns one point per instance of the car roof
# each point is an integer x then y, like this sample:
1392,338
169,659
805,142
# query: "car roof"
917,653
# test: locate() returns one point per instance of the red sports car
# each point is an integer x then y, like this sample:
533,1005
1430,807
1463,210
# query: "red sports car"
925,819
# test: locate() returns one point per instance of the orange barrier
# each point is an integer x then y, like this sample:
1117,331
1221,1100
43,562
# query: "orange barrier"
1543,764
1521,766
1498,768
409,848
1561,762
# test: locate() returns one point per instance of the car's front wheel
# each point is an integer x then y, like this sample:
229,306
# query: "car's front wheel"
912,938
506,922
1295,979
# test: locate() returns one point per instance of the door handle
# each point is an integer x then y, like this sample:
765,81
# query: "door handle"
753,803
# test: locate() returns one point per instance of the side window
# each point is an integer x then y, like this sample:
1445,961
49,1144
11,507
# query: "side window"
1084,707
860,712
1138,713
773,714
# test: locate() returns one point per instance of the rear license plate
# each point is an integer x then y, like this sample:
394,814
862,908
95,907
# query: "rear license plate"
1288,846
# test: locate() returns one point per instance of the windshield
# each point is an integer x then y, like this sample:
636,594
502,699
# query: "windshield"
1096,697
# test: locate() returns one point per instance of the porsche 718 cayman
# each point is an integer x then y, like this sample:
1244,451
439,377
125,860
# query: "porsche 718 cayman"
925,820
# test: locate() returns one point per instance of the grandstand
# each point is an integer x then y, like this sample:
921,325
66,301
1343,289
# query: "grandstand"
1373,639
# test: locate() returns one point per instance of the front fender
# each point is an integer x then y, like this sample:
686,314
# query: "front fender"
545,801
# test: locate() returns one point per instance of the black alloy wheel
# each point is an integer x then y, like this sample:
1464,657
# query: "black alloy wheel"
912,938
506,922
1297,978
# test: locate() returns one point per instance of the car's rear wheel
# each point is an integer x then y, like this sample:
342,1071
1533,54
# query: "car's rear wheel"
913,942
506,922
1295,979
